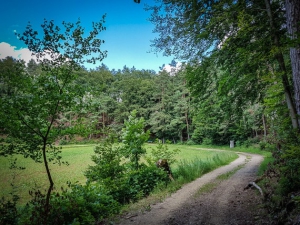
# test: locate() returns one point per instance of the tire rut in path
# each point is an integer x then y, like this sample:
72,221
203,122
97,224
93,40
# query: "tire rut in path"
183,207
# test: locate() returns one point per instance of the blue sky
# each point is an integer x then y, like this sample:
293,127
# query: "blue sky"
127,38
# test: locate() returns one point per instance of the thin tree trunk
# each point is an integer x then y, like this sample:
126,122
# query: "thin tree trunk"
265,125
47,204
293,27
51,183
187,125
103,120
279,57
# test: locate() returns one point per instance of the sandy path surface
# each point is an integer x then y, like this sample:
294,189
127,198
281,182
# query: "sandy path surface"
227,203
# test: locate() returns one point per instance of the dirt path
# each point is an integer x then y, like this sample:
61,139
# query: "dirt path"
226,203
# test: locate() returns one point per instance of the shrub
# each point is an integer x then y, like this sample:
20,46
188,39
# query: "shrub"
141,182
207,141
162,152
290,179
134,138
190,142
8,211
107,161
136,184
81,204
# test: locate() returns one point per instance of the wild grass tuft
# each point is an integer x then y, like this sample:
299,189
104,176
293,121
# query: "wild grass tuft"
189,170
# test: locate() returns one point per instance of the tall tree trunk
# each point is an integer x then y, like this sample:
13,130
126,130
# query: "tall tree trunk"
265,125
280,59
187,125
186,115
103,120
293,27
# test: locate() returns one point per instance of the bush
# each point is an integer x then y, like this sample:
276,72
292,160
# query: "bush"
136,184
263,145
207,141
8,211
144,180
290,179
134,138
162,152
82,204
63,142
190,142
107,161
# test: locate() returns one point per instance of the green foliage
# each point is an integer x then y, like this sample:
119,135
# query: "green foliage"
107,161
141,182
162,151
109,170
190,142
81,204
8,211
136,184
290,178
86,204
207,141
133,138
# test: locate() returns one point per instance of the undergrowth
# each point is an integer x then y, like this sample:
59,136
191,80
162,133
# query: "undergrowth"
185,172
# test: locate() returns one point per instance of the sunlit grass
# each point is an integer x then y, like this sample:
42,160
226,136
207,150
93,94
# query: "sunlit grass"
79,158
34,176
251,149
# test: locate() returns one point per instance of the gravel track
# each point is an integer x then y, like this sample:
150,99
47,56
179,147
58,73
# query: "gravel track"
226,203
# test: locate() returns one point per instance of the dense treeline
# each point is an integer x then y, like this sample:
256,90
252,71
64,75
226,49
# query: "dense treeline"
163,99
209,115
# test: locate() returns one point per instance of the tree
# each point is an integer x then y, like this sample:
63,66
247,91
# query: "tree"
161,115
279,56
133,138
30,113
241,37
293,27
132,89
9,70
108,162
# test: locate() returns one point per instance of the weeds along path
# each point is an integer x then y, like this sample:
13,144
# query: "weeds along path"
227,203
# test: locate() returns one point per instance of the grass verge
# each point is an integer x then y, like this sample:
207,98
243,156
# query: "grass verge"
185,171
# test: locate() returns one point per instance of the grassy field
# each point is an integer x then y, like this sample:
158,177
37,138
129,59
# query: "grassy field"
79,157
34,176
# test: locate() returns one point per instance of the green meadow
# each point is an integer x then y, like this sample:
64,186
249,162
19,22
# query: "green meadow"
79,158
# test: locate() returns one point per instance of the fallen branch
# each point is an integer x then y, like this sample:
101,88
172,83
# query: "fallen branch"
260,178
253,184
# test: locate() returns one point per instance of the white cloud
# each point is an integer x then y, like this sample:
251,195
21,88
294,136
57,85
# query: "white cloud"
8,50
171,69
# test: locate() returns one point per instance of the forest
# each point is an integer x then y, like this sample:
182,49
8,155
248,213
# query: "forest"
235,77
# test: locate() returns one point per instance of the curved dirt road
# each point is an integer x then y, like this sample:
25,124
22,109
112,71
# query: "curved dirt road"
227,203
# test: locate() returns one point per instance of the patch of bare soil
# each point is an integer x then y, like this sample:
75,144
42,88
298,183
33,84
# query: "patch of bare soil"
225,203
